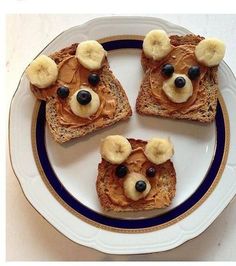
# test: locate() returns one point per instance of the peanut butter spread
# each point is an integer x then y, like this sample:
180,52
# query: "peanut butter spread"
182,58
137,162
72,75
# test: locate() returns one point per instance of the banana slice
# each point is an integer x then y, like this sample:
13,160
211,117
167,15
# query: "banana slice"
156,44
115,149
159,150
42,72
129,186
90,54
85,111
210,52
178,95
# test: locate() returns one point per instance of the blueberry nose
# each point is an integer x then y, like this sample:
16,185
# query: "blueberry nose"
84,97
180,82
140,186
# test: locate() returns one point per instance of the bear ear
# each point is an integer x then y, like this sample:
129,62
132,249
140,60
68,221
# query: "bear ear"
115,149
90,54
159,150
156,44
42,74
210,52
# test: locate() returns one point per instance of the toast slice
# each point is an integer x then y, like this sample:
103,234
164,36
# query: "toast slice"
205,103
110,188
62,132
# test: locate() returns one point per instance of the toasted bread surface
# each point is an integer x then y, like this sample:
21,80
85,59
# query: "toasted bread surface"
163,187
62,133
146,103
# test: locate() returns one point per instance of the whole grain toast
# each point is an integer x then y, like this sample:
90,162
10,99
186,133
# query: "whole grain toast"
110,188
63,133
206,103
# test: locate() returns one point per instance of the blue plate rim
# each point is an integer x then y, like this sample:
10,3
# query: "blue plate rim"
104,221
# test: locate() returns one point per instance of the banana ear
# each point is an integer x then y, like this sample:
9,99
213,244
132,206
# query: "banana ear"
42,74
156,44
90,54
210,52
115,149
159,150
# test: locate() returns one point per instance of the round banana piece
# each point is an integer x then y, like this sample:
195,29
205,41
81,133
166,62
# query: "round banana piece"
156,44
129,186
85,111
115,149
178,95
90,54
210,52
42,72
159,150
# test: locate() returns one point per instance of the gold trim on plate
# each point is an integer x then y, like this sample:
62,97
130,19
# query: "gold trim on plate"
140,230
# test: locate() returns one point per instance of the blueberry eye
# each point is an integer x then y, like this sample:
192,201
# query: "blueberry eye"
167,70
121,170
93,79
151,171
194,72
63,92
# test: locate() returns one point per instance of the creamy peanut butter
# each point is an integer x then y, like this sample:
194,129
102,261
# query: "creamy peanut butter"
137,162
182,58
72,75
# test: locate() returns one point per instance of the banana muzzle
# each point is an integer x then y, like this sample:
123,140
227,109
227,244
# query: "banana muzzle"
136,186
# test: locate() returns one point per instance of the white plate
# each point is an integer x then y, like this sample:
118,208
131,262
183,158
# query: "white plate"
59,180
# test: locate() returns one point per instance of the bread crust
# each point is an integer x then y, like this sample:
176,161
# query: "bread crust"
146,103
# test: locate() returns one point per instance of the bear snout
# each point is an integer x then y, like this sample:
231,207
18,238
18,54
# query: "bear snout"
136,186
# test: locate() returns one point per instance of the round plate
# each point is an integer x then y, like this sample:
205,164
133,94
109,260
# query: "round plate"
59,180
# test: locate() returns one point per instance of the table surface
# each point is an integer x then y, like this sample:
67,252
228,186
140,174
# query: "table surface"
29,236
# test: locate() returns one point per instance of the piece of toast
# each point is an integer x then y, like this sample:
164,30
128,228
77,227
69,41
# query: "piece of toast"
163,185
62,133
146,103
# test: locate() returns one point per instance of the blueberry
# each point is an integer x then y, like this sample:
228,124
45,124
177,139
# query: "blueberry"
168,70
180,82
194,72
63,92
84,97
140,186
121,170
151,171
93,79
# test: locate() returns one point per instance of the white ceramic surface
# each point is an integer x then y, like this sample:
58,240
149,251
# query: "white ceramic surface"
71,226
75,162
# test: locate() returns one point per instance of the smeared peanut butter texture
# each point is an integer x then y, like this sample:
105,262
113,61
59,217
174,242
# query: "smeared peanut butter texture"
137,162
73,75
182,58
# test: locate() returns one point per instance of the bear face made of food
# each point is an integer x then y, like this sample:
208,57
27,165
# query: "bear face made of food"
181,75
81,92
135,174
75,82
